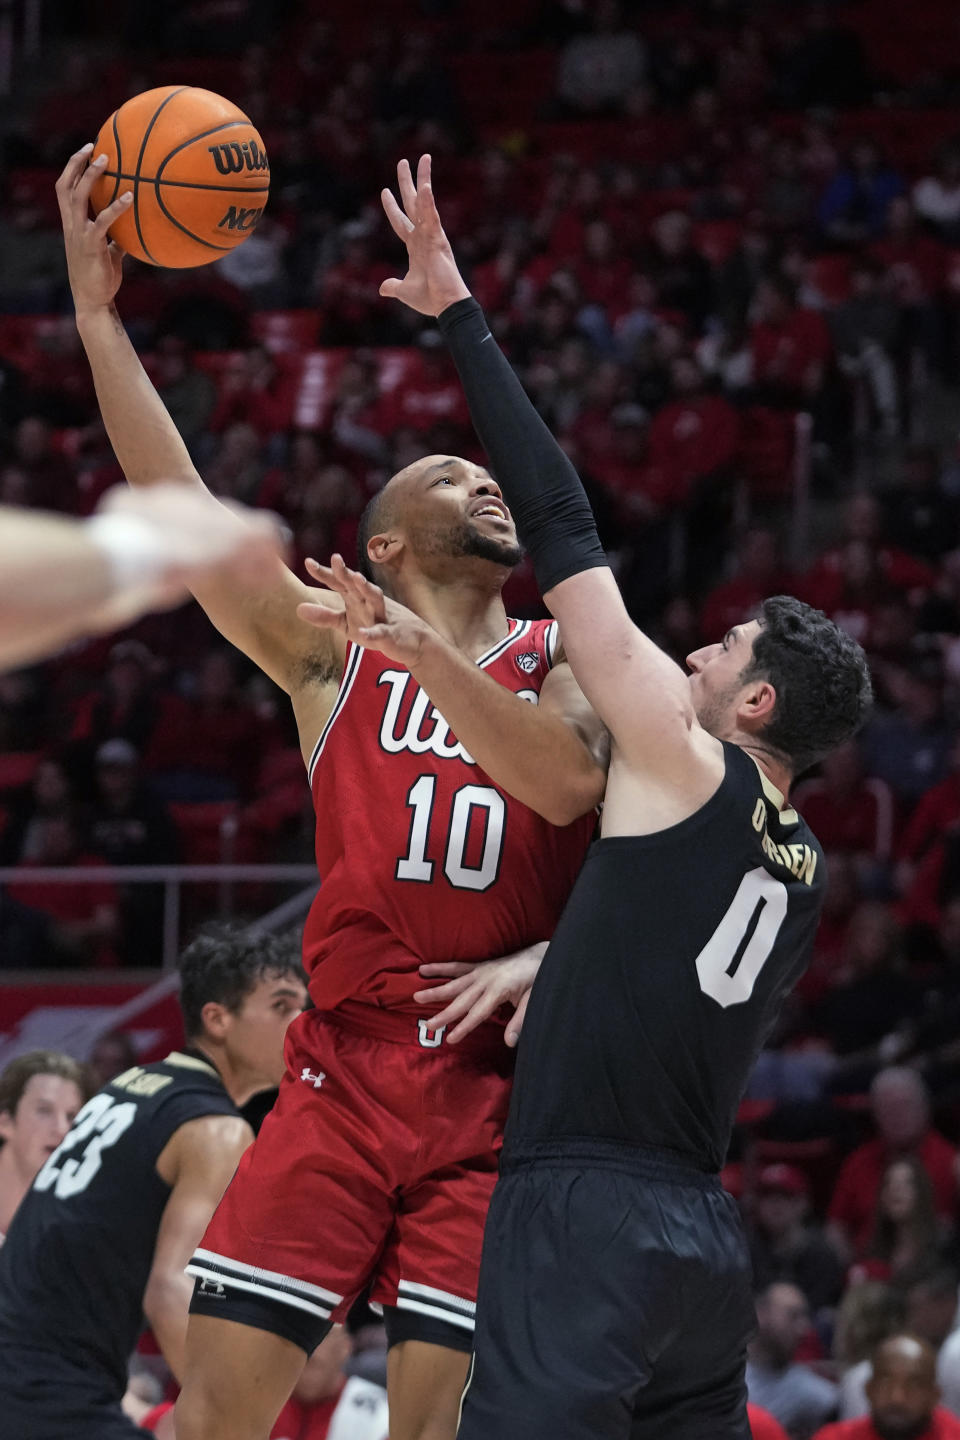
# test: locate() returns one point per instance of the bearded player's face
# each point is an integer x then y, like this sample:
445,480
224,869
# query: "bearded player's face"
452,508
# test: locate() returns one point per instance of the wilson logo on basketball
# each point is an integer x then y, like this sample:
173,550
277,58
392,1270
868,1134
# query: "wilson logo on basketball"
237,218
528,660
234,157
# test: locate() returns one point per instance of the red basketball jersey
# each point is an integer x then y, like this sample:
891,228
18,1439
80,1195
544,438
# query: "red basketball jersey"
421,856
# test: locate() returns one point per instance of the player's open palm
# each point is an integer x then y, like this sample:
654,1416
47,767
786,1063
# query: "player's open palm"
432,281
368,617
475,991
94,264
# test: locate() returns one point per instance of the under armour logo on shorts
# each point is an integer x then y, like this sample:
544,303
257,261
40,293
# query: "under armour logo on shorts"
316,1081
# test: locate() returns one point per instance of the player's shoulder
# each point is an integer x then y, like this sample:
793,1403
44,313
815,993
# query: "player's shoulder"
530,647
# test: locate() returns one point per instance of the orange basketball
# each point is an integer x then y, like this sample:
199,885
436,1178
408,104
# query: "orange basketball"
198,171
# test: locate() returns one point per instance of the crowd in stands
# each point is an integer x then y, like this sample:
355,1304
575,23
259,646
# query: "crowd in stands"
721,243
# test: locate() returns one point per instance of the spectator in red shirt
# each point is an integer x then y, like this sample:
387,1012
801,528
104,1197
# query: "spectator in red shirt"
695,437
907,1235
903,1394
759,573
901,1113
863,520
791,345
847,811
254,392
86,916
349,292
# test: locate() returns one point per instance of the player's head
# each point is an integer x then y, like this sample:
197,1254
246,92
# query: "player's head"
902,1389
791,679
435,515
238,993
40,1094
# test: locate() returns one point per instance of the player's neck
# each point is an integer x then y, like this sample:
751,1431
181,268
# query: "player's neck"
240,1084
767,762
469,613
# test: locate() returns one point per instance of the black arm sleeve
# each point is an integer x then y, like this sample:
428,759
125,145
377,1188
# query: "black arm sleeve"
550,506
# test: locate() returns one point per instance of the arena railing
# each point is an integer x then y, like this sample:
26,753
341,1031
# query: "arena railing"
173,878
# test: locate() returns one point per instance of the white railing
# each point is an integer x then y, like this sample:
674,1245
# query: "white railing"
173,878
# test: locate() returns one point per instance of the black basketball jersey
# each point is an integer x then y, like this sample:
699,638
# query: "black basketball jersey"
666,974
77,1258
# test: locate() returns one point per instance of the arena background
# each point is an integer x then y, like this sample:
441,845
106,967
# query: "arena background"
721,243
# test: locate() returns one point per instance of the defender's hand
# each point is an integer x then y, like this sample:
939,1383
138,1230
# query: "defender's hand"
94,263
368,618
433,281
477,990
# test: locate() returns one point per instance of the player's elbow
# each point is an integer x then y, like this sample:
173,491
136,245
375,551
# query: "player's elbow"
576,796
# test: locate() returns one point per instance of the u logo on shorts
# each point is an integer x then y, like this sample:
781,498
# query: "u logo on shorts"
430,1039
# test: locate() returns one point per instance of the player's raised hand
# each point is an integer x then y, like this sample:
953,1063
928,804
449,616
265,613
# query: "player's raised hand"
94,263
476,991
368,617
432,281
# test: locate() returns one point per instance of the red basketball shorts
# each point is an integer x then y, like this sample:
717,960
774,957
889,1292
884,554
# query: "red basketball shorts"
375,1167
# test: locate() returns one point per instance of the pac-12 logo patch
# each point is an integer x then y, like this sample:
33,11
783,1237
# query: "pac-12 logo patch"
528,660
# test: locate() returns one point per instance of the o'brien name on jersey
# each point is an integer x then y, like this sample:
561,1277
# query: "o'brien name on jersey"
800,860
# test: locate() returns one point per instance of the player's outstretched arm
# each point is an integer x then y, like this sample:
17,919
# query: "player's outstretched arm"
62,578
198,1162
551,756
258,616
641,695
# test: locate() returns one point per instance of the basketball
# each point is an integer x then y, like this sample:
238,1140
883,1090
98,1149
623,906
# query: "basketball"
197,169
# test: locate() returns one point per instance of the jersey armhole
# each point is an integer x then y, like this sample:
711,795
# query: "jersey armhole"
351,666
551,637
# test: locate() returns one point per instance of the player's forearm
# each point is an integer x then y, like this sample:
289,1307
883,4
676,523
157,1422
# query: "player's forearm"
144,438
536,757
549,504
166,1306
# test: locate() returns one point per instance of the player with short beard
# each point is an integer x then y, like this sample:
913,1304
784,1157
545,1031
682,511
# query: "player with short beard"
445,836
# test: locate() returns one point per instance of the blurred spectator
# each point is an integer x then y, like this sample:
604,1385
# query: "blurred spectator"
759,572
853,208
930,1304
903,1394
680,274
865,330
799,1398
85,916
848,811
49,794
326,1403
188,393
909,746
256,266
26,936
787,197
216,750
129,826
871,994
825,65
785,1245
40,1094
694,438
936,197
33,269
349,292
111,1055
238,467
253,393
907,1235
430,395
791,345
598,70
917,513
870,1311
901,1114
49,477
129,705
416,87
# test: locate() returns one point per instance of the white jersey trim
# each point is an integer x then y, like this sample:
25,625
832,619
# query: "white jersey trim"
519,628
256,1272
452,1317
282,1297
354,657
429,1292
550,638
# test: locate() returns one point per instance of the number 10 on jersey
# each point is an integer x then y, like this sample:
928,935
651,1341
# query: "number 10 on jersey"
471,805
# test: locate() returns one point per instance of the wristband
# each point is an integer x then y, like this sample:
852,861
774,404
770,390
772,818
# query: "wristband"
134,551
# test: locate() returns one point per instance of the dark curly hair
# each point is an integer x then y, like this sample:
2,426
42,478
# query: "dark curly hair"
224,963
820,675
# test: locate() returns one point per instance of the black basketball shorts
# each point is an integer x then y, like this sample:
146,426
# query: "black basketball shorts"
615,1301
